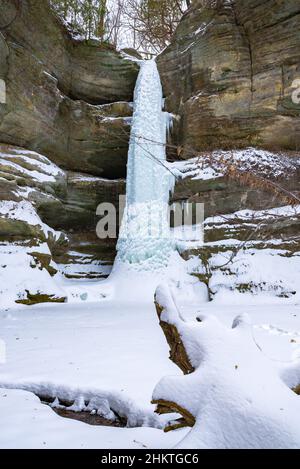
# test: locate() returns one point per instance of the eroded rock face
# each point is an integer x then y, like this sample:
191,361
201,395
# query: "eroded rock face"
63,199
84,193
229,75
42,205
56,87
216,180
84,69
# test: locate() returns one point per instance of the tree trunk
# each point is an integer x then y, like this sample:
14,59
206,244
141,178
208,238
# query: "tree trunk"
102,15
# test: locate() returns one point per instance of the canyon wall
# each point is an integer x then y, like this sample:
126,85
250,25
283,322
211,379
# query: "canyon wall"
229,75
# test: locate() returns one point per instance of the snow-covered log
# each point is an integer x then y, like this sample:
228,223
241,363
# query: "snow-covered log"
177,350
236,397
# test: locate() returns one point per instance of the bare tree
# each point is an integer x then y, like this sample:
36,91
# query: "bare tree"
116,23
87,16
146,25
153,22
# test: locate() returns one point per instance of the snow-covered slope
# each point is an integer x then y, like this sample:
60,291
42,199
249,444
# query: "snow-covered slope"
249,256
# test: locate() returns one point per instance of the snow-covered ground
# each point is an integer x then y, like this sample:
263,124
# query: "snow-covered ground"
104,346
31,425
109,351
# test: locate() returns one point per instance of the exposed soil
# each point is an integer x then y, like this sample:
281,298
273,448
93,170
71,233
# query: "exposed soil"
85,417
89,418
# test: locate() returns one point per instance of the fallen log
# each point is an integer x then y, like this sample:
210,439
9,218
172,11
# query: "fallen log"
168,407
219,395
179,356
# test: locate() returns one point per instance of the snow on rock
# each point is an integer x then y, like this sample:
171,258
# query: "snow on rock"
195,169
130,57
266,267
27,175
29,164
26,275
27,271
264,272
236,393
248,215
84,266
22,211
214,165
25,212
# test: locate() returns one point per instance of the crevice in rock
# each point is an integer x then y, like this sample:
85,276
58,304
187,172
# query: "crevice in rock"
92,102
168,407
282,94
5,63
282,20
240,25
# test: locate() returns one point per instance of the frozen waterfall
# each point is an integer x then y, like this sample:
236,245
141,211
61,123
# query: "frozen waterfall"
145,240
147,249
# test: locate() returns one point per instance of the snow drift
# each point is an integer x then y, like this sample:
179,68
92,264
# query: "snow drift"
236,393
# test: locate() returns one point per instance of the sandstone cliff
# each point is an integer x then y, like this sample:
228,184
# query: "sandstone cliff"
63,145
55,88
228,78
228,75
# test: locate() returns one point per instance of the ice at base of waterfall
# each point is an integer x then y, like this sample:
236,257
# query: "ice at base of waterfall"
145,241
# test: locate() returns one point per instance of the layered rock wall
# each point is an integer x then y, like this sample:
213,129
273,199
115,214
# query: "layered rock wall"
56,86
229,75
